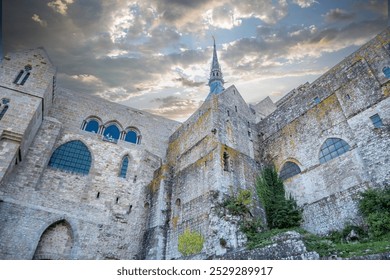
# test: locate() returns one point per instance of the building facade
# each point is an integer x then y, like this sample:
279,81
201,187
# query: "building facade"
85,178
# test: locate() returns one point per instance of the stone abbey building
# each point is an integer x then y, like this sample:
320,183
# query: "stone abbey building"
85,178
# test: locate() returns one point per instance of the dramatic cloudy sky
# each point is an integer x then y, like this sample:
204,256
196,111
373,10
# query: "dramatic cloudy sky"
156,54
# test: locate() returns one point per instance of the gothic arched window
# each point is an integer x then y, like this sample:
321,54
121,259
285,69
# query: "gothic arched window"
131,136
3,107
332,148
92,126
289,170
72,156
124,165
111,133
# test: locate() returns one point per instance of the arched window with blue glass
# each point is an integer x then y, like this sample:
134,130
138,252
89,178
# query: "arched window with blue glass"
73,156
386,71
91,125
124,166
288,170
112,132
332,148
132,135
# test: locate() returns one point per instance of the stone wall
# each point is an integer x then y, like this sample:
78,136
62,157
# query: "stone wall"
339,104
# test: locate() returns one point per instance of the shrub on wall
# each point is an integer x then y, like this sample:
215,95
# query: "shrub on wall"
190,243
238,205
375,208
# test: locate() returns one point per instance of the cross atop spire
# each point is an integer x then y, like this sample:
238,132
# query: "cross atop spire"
216,78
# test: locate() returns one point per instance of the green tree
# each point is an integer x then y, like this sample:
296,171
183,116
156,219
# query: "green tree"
375,208
281,212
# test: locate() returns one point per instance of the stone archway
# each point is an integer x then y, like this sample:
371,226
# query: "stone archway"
55,243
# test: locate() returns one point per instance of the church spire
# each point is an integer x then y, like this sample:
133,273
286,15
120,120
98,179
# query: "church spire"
216,78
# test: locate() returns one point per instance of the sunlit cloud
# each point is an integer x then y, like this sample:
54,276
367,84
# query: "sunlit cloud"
60,6
304,3
41,22
135,52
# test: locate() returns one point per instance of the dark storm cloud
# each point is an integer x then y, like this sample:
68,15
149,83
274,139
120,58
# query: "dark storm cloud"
189,83
174,107
338,15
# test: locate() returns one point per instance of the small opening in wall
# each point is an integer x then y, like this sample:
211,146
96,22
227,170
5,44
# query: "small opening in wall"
316,100
228,113
129,211
178,202
249,124
98,195
234,91
249,133
117,200
135,179
16,81
348,97
277,126
235,108
226,164
146,205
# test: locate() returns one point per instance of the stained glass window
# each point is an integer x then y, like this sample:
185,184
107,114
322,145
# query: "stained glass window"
72,156
289,170
125,164
332,148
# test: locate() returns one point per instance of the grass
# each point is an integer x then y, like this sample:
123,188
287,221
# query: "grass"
325,246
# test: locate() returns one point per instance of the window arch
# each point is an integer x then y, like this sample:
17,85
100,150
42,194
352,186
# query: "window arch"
386,71
72,156
56,242
132,135
91,125
112,133
124,165
332,148
3,107
288,170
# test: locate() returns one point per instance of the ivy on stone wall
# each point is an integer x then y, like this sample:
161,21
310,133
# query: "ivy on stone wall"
281,212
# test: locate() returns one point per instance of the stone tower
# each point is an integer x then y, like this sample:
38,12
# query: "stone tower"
27,86
209,158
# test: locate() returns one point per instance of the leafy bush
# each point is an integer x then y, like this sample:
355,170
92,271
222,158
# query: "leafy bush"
238,205
375,208
281,212
190,243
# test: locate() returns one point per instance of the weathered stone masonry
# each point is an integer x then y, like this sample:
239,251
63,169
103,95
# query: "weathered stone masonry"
178,174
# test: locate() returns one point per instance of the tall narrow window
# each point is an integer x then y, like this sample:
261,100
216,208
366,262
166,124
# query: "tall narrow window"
386,71
23,75
25,79
226,163
376,121
332,148
125,164
72,156
18,77
3,111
